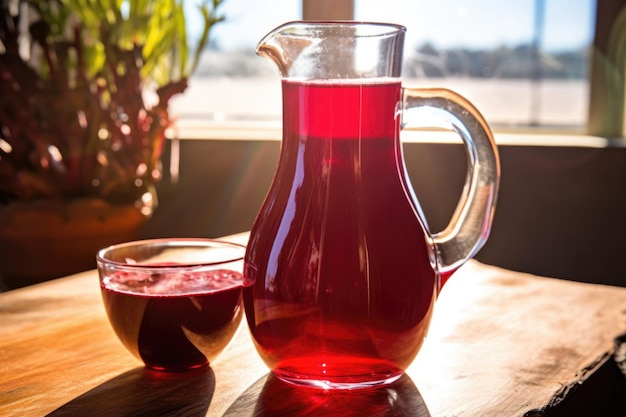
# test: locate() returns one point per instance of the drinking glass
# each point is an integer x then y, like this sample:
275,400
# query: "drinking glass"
174,303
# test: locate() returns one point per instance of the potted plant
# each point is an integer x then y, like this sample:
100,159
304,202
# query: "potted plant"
84,93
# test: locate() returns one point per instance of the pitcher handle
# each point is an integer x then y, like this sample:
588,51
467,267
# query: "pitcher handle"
470,224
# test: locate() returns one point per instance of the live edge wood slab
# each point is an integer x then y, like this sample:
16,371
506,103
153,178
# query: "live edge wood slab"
501,343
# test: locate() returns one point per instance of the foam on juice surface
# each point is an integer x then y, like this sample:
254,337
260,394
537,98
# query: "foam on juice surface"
172,282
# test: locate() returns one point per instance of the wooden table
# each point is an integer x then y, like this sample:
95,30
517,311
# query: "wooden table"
501,343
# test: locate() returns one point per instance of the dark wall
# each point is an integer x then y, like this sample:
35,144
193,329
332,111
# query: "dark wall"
220,188
560,213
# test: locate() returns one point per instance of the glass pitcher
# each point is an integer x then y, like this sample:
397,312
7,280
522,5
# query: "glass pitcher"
341,269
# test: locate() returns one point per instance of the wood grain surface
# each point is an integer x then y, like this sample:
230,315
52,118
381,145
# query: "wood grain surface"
501,343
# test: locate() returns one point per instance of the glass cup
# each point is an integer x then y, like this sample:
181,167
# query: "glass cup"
174,303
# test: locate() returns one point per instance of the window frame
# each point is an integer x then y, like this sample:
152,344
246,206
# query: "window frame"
606,77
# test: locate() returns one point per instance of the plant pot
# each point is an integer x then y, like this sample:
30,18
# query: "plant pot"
43,240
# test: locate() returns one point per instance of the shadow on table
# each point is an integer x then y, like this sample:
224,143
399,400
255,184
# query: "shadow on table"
269,396
143,391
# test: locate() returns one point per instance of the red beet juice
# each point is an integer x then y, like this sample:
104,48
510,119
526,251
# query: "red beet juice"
340,277
174,321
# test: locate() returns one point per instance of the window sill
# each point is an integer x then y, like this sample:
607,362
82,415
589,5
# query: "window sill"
270,129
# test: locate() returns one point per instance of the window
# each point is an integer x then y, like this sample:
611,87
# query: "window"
523,64
232,83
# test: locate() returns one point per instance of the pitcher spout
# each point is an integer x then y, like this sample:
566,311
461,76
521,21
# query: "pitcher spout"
283,45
